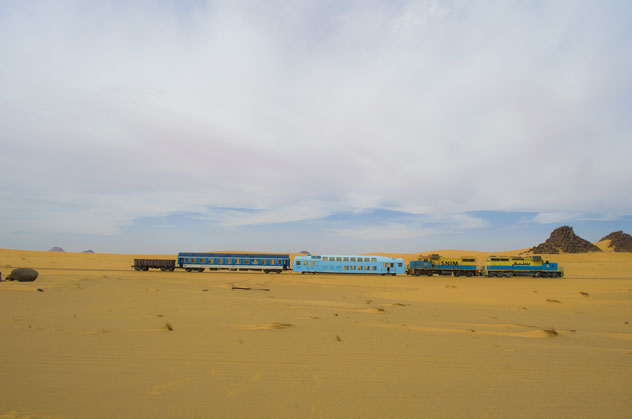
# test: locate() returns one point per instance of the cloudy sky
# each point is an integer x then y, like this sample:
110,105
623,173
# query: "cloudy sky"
325,125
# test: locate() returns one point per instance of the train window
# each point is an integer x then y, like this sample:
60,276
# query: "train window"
373,259
345,268
399,264
246,261
298,263
346,259
255,261
373,268
325,258
353,259
353,268
338,259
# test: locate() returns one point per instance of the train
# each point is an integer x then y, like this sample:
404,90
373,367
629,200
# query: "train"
428,265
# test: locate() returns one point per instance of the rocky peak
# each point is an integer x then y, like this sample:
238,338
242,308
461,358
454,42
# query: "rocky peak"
619,241
564,239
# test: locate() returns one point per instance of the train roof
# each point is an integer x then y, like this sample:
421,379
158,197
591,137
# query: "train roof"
236,255
347,256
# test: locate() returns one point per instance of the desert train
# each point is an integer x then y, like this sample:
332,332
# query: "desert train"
496,266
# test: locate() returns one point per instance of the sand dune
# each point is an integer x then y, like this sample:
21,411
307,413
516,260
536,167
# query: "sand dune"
101,340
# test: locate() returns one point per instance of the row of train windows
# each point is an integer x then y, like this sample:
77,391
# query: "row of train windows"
349,259
353,267
230,261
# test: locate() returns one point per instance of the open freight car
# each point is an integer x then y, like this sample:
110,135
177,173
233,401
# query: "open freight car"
162,264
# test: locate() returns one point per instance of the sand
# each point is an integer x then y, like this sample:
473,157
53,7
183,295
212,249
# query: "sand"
95,342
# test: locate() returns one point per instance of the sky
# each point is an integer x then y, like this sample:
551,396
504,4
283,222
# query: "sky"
333,126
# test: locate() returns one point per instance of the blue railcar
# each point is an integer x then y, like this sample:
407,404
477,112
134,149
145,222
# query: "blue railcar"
534,266
234,262
341,264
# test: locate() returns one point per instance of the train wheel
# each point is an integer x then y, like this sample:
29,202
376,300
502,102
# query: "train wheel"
469,274
536,274
508,274
187,269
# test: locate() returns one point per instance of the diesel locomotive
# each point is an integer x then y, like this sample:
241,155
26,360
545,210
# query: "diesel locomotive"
496,266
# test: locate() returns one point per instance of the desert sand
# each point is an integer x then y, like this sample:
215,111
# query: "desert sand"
91,338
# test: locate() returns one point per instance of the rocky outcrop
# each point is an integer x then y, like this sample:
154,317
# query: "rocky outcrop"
22,275
619,241
564,239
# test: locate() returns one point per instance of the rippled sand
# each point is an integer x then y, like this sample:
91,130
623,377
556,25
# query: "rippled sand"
103,341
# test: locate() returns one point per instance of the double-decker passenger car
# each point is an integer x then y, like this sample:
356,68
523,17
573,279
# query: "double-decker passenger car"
340,264
525,266
234,262
440,265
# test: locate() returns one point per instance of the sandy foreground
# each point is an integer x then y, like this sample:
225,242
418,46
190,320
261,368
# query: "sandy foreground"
95,342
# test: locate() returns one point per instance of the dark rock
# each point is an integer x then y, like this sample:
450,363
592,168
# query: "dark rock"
56,249
22,275
619,241
564,239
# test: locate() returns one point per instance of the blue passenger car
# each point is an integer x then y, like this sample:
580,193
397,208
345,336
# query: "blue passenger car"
349,264
234,262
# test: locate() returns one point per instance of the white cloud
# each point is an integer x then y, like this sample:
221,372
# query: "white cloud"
299,110
383,232
554,217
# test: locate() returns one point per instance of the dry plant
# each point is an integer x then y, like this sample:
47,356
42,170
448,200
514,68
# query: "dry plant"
551,332
169,326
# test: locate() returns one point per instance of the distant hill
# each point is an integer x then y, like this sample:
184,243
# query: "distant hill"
564,239
56,249
304,252
619,241
88,251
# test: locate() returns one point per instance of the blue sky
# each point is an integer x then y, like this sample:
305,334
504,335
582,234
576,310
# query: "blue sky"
329,126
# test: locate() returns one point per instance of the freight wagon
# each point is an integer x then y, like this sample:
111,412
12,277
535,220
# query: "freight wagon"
265,262
340,264
439,265
162,264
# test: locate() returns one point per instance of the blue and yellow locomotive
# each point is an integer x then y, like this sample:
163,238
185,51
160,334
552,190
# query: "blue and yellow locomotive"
440,265
534,266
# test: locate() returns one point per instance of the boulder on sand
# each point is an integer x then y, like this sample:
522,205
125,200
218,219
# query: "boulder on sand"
22,275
